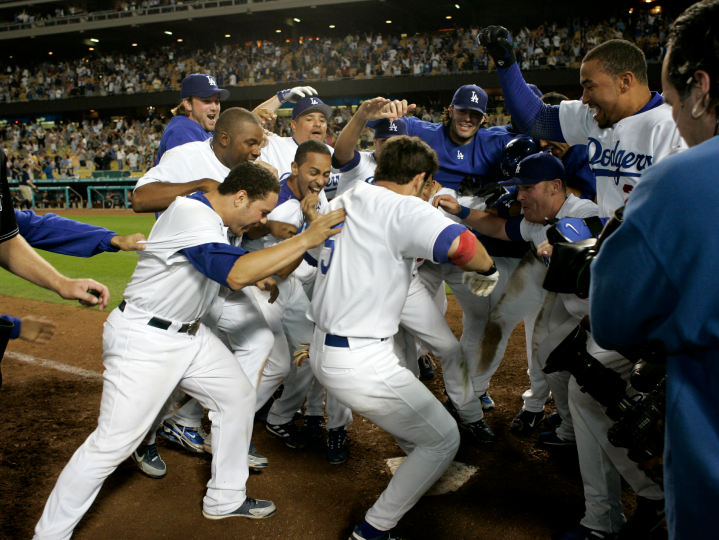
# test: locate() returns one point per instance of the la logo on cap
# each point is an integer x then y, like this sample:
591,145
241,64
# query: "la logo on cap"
392,126
313,101
516,171
474,97
211,80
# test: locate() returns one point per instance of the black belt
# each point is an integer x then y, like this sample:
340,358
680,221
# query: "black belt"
190,329
338,341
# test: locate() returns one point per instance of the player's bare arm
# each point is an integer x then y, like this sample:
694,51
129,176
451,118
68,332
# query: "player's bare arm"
157,196
18,257
260,264
309,207
482,222
278,229
347,140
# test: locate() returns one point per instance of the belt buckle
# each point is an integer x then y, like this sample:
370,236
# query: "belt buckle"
193,328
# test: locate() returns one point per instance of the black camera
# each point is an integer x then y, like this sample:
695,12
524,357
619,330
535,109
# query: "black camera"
568,270
636,418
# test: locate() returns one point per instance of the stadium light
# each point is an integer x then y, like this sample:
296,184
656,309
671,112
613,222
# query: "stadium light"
50,52
134,44
168,32
296,19
278,31
448,17
179,39
227,35
332,25
457,6
388,22
95,40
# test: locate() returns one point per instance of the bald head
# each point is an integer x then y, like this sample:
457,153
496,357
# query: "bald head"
232,121
238,135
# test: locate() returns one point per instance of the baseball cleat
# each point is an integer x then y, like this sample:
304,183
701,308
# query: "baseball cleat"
486,401
357,535
312,429
552,421
336,451
149,461
580,532
190,438
251,508
480,430
289,433
647,517
257,461
426,367
526,421
551,438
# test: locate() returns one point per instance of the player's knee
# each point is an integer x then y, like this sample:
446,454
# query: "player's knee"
452,439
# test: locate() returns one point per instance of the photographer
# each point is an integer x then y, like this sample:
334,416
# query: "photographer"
655,277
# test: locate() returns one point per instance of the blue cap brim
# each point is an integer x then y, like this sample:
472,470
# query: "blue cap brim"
324,109
224,94
516,181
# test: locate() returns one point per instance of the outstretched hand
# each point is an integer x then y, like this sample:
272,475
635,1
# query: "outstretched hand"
447,203
131,242
498,42
324,227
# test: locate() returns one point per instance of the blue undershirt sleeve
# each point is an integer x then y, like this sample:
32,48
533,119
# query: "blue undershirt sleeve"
351,164
444,242
214,260
528,111
17,325
511,229
61,235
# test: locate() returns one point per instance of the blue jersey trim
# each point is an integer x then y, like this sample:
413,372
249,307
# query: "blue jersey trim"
351,164
444,242
199,196
17,325
654,102
511,229
214,260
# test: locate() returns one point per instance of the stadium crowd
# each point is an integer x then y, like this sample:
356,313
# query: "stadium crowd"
550,46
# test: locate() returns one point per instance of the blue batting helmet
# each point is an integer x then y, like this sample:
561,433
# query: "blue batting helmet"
514,152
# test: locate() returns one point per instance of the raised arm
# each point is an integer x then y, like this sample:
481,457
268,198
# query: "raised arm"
157,196
347,140
284,96
528,111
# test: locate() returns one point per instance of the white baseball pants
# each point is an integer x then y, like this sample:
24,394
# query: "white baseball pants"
143,365
366,377
601,463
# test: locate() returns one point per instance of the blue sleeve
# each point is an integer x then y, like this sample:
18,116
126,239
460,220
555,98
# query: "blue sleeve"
511,229
351,164
17,324
624,306
579,173
413,124
528,111
444,242
214,260
61,235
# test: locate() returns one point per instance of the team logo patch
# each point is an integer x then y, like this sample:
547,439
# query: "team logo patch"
474,98
392,126
211,80
460,155
313,101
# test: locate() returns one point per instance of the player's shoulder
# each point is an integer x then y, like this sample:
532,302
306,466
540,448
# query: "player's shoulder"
577,207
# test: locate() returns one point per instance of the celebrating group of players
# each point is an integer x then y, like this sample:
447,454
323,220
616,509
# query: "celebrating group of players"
280,260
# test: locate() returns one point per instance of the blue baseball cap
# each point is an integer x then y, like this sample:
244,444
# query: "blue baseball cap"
537,91
311,103
535,169
384,129
470,96
201,85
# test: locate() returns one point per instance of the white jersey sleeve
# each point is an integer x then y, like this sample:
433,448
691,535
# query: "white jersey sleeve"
360,168
572,207
576,120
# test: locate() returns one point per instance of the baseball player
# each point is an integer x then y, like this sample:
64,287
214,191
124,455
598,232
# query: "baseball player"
421,317
626,129
541,190
154,341
310,116
238,137
195,117
387,226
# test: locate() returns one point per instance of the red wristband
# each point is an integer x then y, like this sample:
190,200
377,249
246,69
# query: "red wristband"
466,249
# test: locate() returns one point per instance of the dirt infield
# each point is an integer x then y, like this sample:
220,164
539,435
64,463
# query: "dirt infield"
521,491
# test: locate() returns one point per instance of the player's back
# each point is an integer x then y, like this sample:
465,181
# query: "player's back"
364,272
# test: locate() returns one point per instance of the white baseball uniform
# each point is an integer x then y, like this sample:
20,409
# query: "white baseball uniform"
280,153
249,335
618,155
353,356
144,363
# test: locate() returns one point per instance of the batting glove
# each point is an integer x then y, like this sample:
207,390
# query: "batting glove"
301,353
481,284
295,94
498,43
495,193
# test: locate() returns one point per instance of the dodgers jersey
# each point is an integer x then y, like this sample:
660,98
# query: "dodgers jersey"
360,167
165,283
280,153
619,155
186,163
479,158
180,130
365,271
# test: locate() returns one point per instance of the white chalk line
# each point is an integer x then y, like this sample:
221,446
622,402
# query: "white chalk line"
52,364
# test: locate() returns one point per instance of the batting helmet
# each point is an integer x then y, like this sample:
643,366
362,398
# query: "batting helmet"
514,152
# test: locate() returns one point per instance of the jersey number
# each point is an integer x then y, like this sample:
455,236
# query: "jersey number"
329,243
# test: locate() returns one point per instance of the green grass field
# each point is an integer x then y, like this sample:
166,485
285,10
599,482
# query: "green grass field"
111,269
